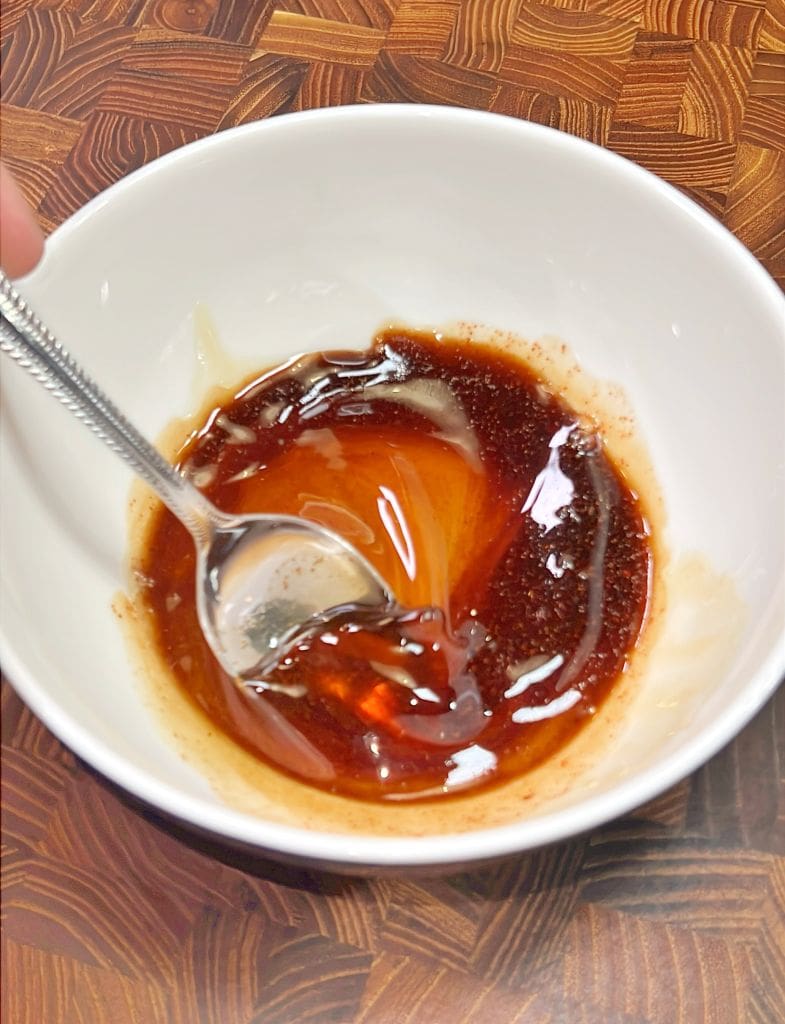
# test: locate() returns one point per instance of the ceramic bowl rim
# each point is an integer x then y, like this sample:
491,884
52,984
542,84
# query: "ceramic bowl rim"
363,851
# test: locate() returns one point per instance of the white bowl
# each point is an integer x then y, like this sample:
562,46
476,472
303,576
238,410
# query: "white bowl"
312,230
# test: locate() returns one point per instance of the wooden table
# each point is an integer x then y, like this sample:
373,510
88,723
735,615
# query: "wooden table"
675,914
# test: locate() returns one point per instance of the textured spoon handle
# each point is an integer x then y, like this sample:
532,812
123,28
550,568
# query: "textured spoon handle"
25,338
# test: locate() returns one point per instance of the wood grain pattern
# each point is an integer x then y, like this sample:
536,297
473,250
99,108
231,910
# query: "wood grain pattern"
180,15
87,66
716,91
403,78
34,50
590,121
682,159
268,86
576,75
662,974
772,29
177,54
329,85
674,915
480,33
423,28
35,145
710,20
318,39
565,31
655,82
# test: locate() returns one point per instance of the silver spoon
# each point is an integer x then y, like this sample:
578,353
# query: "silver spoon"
261,580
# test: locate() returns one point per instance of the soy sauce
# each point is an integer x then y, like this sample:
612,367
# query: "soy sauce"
521,556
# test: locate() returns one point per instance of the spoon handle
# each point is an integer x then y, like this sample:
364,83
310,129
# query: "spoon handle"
25,338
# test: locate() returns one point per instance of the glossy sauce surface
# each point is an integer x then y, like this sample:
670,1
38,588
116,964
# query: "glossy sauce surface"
521,555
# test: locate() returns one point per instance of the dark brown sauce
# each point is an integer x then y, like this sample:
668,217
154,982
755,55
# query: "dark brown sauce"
493,514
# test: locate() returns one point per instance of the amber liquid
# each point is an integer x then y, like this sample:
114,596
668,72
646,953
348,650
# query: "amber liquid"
498,521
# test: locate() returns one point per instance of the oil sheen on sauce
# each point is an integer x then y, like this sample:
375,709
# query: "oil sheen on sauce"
495,516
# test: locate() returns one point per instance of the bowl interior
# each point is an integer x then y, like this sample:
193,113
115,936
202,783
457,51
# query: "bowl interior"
313,231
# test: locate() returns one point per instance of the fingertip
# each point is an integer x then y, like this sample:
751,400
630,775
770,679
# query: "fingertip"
21,237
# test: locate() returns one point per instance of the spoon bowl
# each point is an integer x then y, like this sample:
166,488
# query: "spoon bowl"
263,580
